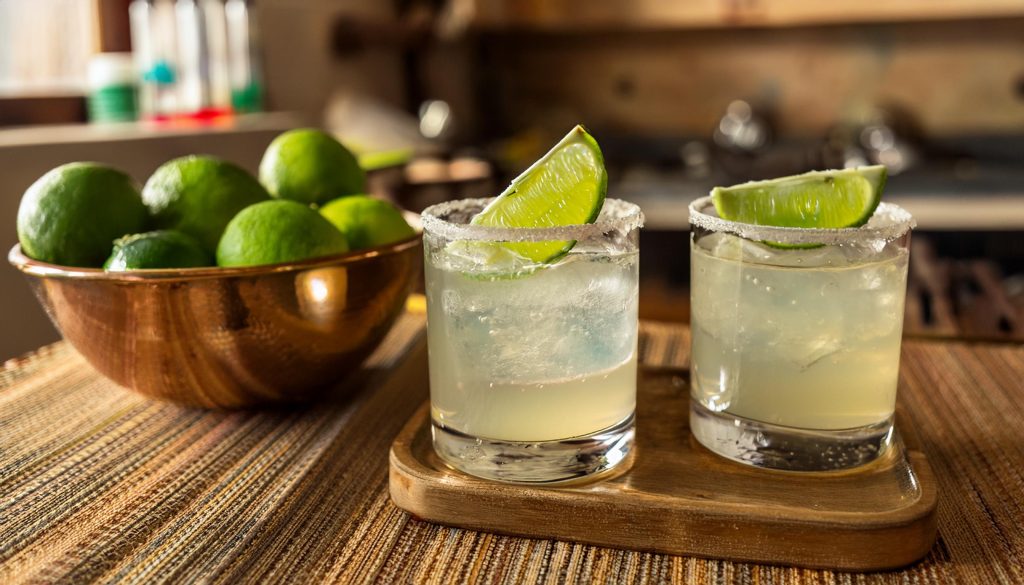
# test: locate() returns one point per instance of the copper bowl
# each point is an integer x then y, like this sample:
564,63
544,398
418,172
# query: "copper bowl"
230,337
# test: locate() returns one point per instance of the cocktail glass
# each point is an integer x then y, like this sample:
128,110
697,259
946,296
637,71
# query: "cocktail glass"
796,338
532,365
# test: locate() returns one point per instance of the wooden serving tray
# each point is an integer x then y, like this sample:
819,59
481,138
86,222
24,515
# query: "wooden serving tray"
679,498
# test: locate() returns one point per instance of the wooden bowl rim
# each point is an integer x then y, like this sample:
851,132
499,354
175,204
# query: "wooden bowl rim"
27,265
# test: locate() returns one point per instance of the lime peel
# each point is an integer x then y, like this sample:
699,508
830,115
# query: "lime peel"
888,223
566,186
818,199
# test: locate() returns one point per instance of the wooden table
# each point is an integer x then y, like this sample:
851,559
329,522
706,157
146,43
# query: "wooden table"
97,484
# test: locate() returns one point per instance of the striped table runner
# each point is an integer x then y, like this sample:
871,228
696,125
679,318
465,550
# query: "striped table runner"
97,484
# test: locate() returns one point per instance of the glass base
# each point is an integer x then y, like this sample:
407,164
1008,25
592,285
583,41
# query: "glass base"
786,448
545,462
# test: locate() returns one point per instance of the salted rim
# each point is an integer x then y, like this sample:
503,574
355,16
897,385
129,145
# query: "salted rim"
887,223
616,215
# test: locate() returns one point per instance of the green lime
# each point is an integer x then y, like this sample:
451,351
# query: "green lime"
384,159
159,249
278,231
819,199
367,222
310,166
565,187
199,195
73,213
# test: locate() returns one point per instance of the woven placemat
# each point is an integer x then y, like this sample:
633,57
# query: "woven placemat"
99,484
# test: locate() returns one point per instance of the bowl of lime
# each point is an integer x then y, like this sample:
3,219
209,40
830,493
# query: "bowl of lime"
213,288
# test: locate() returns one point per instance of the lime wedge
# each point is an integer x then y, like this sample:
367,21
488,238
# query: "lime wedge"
564,187
818,199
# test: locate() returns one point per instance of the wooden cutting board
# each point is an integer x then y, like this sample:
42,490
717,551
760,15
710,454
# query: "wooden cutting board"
679,498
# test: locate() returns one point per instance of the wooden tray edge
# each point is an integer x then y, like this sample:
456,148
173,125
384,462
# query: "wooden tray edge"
418,489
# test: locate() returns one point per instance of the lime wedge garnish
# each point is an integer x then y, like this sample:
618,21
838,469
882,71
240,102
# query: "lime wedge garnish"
565,187
818,199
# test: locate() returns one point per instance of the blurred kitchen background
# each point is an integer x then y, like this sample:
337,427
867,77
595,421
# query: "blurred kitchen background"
451,98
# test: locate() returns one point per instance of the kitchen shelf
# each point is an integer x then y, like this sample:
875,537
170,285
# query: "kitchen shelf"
584,15
118,132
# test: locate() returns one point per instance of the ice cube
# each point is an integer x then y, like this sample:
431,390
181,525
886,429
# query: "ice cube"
809,352
451,302
716,243
820,257
483,259
871,279
724,245
867,251
730,247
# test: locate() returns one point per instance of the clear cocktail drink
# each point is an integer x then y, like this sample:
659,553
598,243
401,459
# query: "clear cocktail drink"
796,345
532,365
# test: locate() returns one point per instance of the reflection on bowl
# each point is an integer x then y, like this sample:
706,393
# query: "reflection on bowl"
230,337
